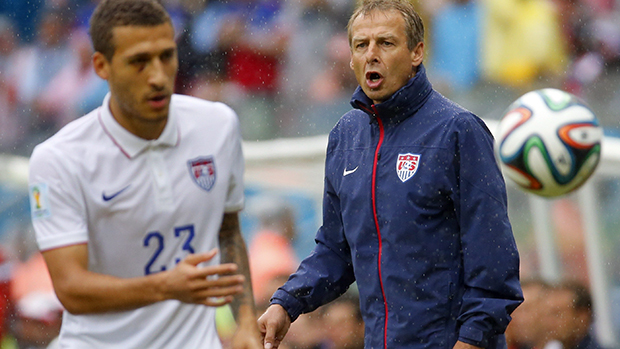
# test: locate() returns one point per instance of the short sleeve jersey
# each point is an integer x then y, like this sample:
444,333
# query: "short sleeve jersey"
141,206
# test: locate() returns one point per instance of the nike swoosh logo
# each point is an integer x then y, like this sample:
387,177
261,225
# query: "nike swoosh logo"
110,197
346,173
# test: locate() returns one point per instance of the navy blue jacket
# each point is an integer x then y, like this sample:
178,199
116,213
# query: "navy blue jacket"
414,210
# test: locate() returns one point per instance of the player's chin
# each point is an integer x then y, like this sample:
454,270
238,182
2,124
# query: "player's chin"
156,115
158,109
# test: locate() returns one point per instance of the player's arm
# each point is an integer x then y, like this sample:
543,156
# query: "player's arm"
243,307
84,292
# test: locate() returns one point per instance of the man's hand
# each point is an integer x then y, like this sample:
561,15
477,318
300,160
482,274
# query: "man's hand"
211,285
273,325
463,345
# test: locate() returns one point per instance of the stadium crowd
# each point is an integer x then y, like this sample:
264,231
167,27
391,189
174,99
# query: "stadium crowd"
284,67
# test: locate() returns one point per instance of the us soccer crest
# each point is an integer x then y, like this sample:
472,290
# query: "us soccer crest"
407,165
202,171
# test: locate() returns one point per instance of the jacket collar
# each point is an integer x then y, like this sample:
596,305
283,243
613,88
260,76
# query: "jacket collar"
402,104
130,144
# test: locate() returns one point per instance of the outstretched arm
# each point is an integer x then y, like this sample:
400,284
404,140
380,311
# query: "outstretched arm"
82,291
243,308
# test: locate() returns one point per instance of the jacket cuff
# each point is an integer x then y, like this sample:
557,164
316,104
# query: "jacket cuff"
474,336
292,305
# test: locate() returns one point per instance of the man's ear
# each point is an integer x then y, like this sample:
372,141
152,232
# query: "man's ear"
417,54
101,65
351,64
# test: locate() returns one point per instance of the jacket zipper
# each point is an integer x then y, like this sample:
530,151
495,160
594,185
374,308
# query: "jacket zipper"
374,211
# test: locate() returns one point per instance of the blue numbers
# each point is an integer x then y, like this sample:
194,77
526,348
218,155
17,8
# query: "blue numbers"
160,247
190,235
157,238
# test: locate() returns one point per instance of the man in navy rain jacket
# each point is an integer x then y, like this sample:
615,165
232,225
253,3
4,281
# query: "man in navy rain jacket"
414,206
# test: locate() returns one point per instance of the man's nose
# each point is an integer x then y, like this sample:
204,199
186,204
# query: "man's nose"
372,54
157,76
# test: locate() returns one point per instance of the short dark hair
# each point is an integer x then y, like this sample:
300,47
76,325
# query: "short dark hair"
117,13
582,300
414,27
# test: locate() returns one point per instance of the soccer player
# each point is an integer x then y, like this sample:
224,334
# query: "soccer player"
414,206
135,204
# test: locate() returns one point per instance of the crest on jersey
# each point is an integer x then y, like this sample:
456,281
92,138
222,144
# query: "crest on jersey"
407,165
202,171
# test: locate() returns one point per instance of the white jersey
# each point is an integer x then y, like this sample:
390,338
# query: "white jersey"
141,206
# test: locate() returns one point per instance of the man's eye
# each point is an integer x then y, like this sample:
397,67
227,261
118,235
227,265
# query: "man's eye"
138,62
167,56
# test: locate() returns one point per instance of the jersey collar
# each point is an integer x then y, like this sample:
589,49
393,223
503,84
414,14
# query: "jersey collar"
130,144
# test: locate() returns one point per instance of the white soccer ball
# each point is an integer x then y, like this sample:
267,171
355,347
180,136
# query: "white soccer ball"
549,142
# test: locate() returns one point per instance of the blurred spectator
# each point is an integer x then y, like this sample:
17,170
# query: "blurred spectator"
344,324
310,61
9,123
307,332
455,46
521,42
271,60
34,66
270,251
256,41
38,311
241,41
330,89
567,317
25,14
76,89
525,331
201,50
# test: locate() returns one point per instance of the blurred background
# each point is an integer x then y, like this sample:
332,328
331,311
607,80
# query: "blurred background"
283,66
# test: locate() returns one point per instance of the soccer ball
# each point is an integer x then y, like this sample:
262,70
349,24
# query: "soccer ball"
549,142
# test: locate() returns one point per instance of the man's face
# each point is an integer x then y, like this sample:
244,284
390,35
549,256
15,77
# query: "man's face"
561,318
141,73
525,325
344,329
380,58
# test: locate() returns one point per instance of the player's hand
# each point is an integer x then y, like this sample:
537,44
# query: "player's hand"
211,285
463,345
273,325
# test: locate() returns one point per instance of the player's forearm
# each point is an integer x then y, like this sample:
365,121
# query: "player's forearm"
234,251
83,292
88,292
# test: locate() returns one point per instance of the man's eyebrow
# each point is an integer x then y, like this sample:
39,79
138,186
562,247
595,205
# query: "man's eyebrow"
139,56
388,36
168,50
148,55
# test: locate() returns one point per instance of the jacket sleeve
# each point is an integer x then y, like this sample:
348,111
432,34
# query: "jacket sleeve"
489,252
327,272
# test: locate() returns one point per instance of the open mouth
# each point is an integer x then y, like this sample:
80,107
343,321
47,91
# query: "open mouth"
373,76
373,79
